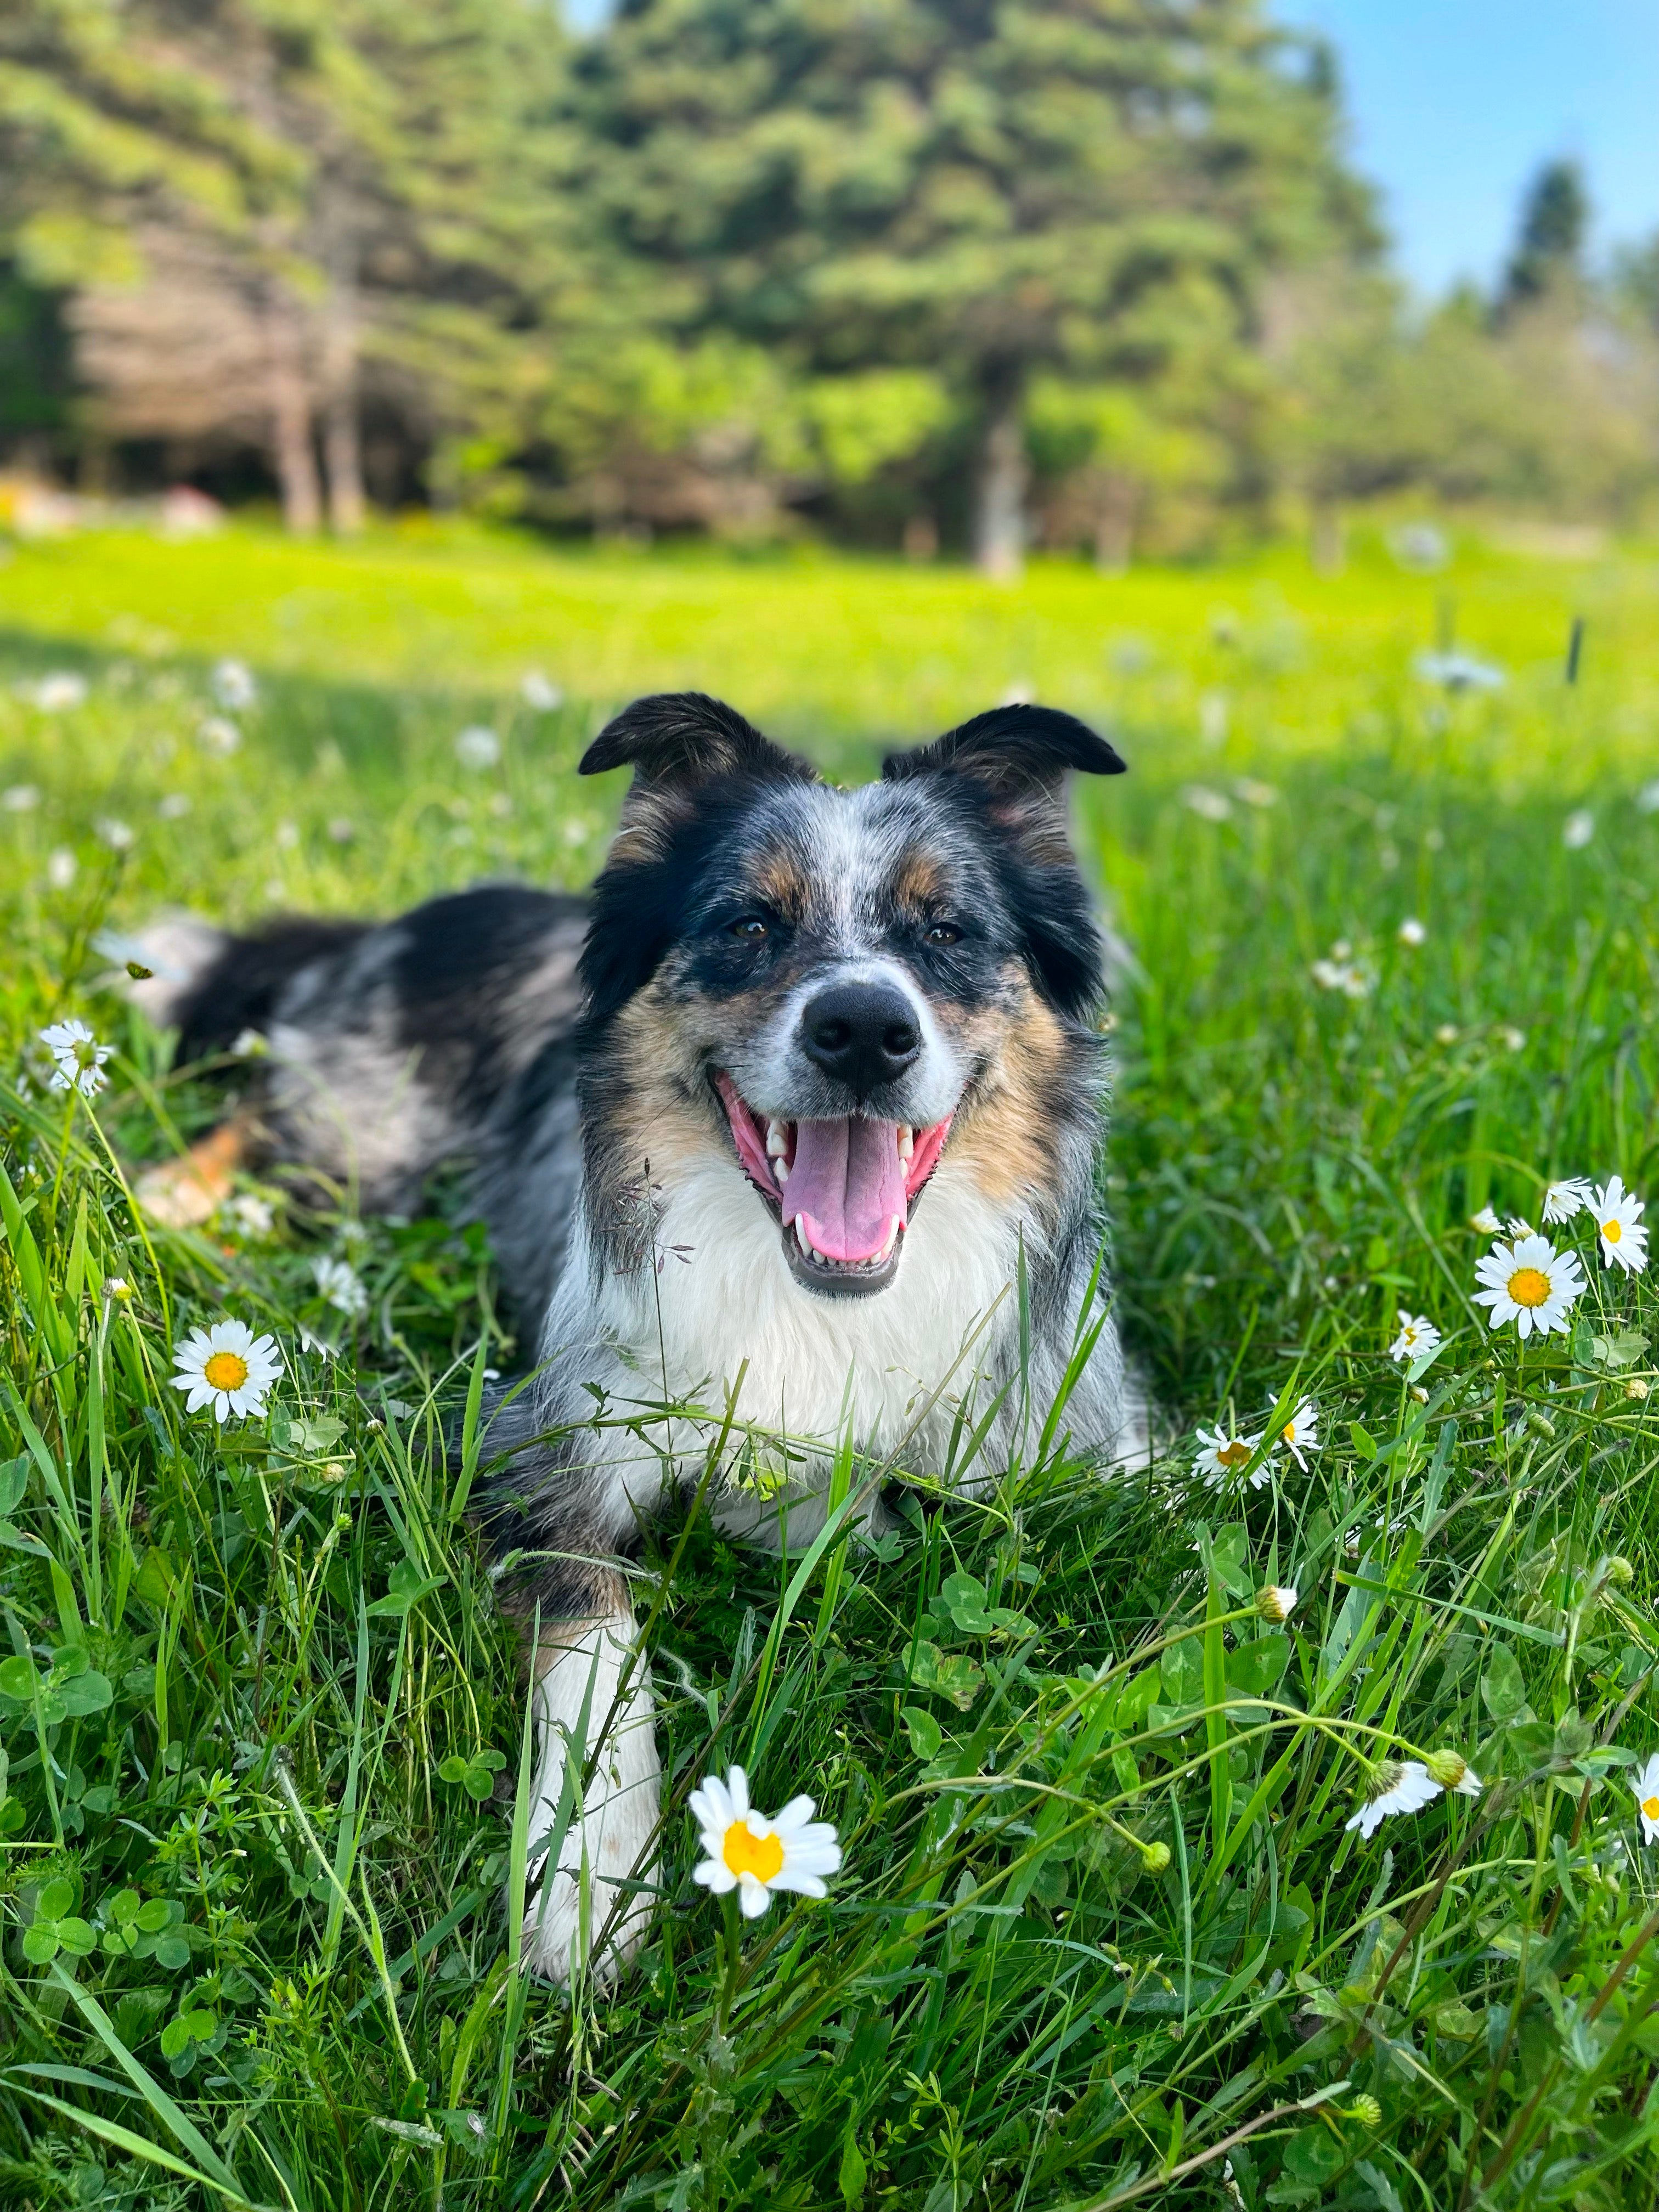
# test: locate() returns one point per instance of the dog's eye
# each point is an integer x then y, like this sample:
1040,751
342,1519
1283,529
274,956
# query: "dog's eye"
942,932
751,930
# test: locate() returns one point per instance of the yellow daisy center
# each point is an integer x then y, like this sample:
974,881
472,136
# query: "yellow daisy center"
1612,1231
743,1853
1233,1454
225,1370
1289,1432
1529,1287
1651,1807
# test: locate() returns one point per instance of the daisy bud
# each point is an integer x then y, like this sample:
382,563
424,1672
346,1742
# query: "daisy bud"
1636,1387
1155,1858
1366,2111
1275,1603
116,1286
1420,1394
1453,1771
1619,1571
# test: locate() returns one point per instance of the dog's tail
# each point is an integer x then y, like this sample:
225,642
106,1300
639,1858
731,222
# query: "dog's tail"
212,985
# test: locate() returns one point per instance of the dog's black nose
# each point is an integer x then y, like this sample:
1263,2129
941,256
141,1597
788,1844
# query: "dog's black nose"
863,1034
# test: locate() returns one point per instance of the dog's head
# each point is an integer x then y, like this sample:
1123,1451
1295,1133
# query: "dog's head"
831,986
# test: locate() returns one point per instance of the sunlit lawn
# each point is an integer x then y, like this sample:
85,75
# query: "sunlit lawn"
1102,1936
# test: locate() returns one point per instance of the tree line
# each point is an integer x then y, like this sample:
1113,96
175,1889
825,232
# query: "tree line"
959,273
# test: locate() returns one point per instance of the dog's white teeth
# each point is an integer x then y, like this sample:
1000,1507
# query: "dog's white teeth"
892,1239
802,1239
906,1140
780,1171
777,1140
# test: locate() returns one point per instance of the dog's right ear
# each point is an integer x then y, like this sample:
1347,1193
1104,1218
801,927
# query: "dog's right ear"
681,739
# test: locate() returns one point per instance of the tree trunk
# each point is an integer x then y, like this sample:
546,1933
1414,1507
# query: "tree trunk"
1115,525
343,452
1000,493
290,415
1328,549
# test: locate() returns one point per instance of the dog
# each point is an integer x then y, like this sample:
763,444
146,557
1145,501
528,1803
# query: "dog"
787,1134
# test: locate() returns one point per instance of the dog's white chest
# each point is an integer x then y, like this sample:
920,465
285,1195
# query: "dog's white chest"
722,1312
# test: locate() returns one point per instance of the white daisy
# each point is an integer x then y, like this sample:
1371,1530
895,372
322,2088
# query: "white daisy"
1564,1199
234,684
1646,1786
1458,671
478,747
1417,1334
1222,1453
62,689
1341,974
1531,1283
1619,1225
1486,1221
754,1856
341,1286
1518,1225
20,799
250,1214
1577,830
1400,1787
219,734
1410,933
539,692
226,1367
1276,1601
79,1057
119,836
1300,1434
61,867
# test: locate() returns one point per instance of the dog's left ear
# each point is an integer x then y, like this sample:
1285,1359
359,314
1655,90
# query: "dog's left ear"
1020,753
1019,758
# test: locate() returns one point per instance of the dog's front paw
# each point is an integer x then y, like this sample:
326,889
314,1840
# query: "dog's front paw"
612,1846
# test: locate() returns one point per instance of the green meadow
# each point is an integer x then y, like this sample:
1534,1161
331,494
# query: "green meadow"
1103,1934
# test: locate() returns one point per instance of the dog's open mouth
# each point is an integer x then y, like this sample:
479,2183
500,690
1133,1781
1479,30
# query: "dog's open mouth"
843,1189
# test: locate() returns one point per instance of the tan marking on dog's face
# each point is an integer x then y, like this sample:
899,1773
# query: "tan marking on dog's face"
921,883
780,882
1002,1135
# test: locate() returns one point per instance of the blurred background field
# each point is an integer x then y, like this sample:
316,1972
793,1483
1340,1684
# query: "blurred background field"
818,643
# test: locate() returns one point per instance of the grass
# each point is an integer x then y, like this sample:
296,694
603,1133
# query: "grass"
1103,1937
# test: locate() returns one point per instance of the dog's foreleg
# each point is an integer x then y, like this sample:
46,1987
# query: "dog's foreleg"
593,1710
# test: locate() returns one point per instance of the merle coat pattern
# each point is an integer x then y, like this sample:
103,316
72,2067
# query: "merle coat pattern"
763,1132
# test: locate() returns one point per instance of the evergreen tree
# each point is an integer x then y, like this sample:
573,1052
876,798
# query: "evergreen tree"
985,189
306,191
1550,247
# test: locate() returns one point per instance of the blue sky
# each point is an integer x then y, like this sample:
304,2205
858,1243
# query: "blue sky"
1454,102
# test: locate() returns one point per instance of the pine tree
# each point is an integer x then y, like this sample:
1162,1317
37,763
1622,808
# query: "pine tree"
1549,249
985,191
289,195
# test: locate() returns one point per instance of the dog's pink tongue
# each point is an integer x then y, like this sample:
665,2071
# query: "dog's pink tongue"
846,1186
